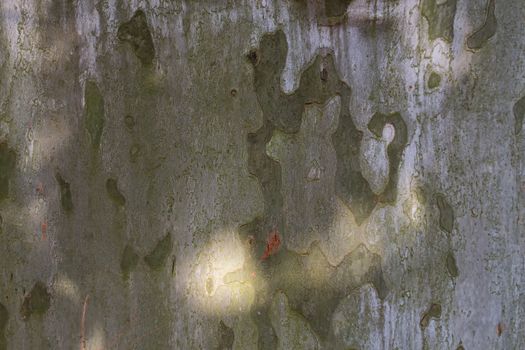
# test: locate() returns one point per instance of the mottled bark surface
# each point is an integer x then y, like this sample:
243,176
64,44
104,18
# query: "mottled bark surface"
262,174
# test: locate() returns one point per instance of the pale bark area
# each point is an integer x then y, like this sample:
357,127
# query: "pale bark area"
149,148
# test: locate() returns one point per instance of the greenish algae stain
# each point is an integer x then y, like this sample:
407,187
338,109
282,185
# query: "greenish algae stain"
446,213
94,107
486,31
336,8
4,317
136,32
434,80
433,312
129,122
129,260
452,267
519,115
440,18
7,167
37,301
226,337
65,193
157,257
114,193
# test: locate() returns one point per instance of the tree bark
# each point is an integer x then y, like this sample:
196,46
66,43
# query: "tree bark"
256,174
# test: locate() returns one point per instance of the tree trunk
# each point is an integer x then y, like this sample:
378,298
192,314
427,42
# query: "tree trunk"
257,174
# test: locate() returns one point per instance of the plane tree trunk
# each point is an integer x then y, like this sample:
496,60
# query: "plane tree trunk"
262,174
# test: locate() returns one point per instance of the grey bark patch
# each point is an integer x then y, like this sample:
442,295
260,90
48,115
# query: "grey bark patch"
486,31
136,32
433,312
37,301
129,260
94,106
394,150
157,257
434,80
4,317
308,164
351,186
519,115
65,193
268,172
291,327
7,167
267,337
446,213
283,112
357,320
440,18
315,287
226,337
452,268
114,193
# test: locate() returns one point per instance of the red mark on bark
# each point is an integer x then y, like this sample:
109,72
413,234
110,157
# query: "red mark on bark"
272,245
43,228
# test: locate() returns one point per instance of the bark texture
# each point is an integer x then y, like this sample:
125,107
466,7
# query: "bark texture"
260,174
